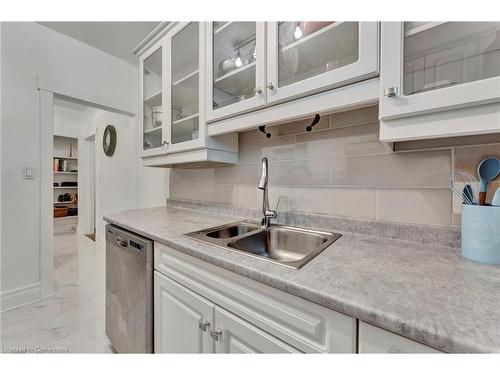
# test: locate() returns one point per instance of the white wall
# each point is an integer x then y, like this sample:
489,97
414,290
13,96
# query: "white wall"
116,175
31,51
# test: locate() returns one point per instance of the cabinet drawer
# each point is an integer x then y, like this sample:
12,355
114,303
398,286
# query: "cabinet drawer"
377,340
300,323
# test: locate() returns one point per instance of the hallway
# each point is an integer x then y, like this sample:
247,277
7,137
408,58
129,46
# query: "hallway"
72,320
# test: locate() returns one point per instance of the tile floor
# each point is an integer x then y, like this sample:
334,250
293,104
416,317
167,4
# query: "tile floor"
73,319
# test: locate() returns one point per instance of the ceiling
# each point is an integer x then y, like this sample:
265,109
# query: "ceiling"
115,38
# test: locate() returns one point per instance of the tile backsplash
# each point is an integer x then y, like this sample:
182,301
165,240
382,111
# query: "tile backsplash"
338,169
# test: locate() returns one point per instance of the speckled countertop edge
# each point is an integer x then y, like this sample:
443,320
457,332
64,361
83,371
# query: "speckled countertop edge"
285,279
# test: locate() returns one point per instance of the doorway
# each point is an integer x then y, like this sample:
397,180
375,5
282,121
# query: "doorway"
50,92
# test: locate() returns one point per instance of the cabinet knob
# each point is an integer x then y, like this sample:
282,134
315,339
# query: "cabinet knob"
257,91
216,334
204,325
390,92
270,86
164,143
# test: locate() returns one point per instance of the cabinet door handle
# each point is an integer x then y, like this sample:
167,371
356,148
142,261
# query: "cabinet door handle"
390,92
270,86
204,325
257,90
164,143
216,334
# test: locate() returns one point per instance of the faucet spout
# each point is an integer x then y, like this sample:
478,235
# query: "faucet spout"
264,173
267,213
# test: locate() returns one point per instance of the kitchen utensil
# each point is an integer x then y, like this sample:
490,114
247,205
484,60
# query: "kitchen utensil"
311,27
156,115
226,66
177,112
487,170
496,198
458,182
467,194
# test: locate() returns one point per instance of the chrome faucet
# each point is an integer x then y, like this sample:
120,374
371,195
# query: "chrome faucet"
267,213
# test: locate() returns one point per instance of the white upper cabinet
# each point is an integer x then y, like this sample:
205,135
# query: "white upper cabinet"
235,68
184,99
308,57
429,67
152,99
173,102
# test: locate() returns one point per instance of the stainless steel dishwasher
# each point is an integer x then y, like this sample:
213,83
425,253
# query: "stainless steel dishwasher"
129,291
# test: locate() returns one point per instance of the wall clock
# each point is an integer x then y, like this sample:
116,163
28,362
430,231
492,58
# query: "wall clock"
109,140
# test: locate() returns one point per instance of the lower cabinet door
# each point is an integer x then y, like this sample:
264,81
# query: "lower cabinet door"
234,335
182,319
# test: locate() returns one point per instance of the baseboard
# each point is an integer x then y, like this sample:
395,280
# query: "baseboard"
14,298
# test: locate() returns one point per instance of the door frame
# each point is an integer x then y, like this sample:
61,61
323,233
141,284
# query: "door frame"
87,220
46,89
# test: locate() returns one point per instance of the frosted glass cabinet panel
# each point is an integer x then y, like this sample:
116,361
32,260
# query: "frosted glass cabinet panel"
443,54
432,67
235,67
184,91
304,57
152,94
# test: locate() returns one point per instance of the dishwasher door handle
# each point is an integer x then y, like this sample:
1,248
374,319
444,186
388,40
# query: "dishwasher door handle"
122,243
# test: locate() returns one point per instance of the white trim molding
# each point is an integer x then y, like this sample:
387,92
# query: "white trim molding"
93,99
14,298
158,32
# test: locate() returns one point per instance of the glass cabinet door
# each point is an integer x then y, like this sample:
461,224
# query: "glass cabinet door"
304,56
236,67
184,82
152,110
443,54
435,66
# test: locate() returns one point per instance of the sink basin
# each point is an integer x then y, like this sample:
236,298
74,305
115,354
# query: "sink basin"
233,231
285,245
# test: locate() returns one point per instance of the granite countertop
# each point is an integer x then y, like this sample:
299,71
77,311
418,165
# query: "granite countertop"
422,291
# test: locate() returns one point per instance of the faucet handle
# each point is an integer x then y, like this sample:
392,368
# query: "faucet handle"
278,203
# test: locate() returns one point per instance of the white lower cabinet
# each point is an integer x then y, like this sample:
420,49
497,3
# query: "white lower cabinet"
202,308
377,340
182,318
185,322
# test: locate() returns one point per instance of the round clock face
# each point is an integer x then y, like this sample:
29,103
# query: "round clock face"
109,140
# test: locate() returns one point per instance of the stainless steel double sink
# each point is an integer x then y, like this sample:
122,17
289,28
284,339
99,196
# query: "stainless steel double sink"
285,245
